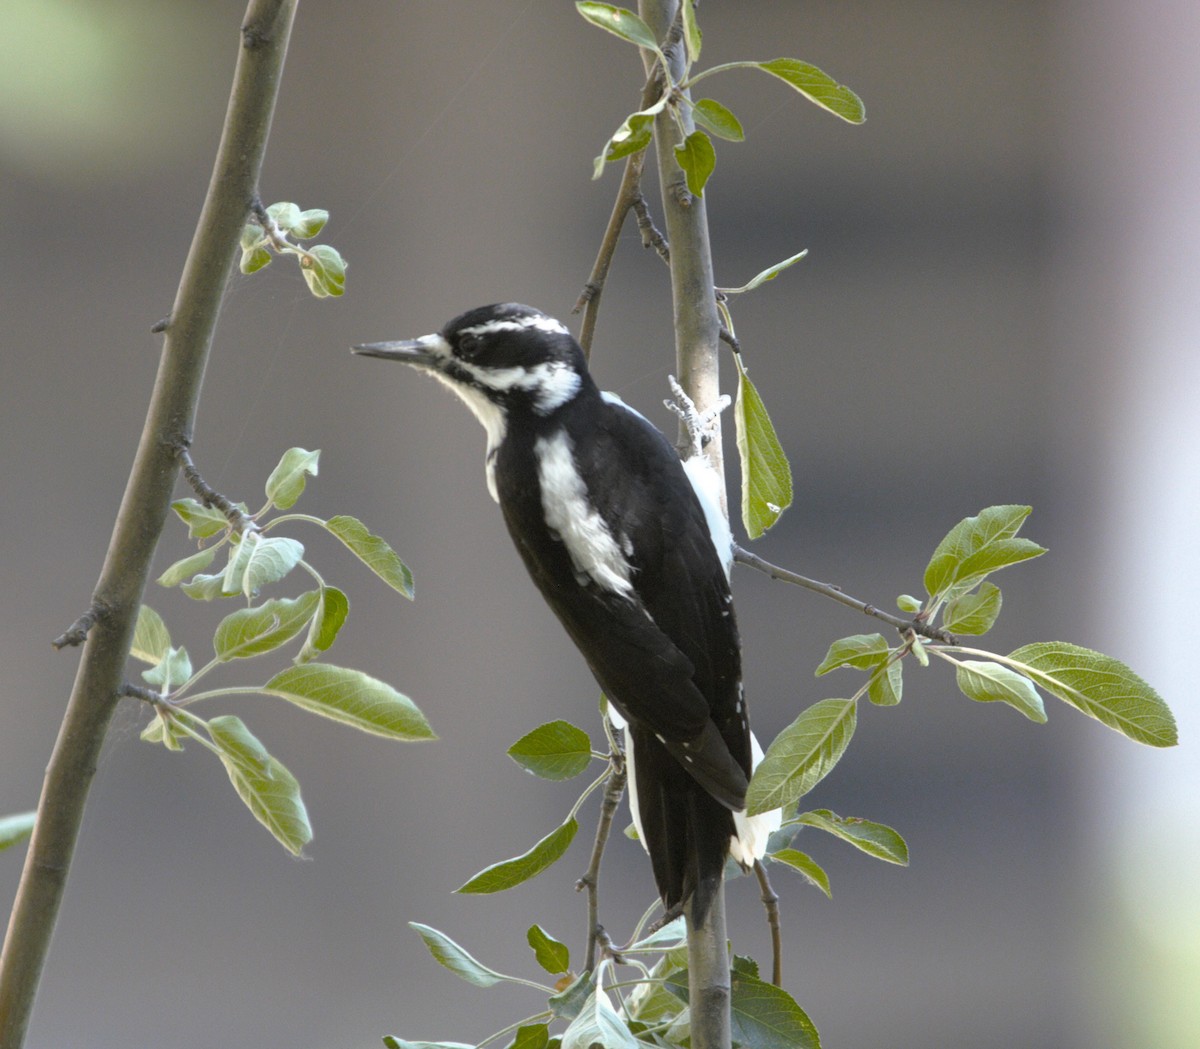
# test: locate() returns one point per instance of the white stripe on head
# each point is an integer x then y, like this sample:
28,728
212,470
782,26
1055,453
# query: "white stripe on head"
594,552
552,383
536,321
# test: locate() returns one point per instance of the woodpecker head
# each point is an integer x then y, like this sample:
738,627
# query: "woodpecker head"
499,359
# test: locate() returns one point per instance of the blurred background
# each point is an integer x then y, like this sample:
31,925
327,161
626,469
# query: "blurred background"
999,305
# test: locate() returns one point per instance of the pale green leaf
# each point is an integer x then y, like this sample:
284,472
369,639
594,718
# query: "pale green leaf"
691,31
455,958
206,587
188,567
770,273
634,135
557,751
373,552
566,1004
598,1024
620,22
151,639
169,672
1101,687
255,259
508,873
992,683
332,610
908,603
353,698
861,651
309,223
766,475
285,215
809,868
973,613
202,521
714,117
287,480
698,159
324,270
875,839
269,560
16,828
551,954
531,1036
802,755
160,730
252,631
818,87
887,685
268,789
977,546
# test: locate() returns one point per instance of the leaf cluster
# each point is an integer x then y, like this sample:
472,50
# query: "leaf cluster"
959,591
256,558
275,231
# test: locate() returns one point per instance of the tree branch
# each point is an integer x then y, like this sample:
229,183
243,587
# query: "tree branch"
770,899
906,626
143,512
613,790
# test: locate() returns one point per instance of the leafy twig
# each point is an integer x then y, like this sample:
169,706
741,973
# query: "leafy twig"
143,511
906,626
209,496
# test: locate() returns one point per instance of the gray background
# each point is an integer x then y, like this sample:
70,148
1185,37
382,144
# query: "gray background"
998,306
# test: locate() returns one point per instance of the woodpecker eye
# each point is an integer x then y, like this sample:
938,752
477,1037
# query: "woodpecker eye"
469,345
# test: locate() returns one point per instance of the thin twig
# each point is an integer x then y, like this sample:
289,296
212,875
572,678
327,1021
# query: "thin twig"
209,496
905,626
146,695
613,790
629,193
77,632
771,902
652,236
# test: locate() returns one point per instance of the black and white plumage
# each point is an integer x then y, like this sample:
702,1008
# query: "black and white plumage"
613,530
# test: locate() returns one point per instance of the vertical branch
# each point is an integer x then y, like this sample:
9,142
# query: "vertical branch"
143,510
697,338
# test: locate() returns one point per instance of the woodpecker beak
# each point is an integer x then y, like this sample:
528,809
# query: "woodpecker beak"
420,352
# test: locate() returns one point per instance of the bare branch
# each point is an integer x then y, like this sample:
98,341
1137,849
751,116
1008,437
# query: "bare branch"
613,791
771,902
77,632
209,496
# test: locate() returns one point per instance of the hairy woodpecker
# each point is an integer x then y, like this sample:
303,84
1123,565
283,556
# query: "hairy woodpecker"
626,547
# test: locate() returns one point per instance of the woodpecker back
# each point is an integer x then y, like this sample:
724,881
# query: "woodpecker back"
615,537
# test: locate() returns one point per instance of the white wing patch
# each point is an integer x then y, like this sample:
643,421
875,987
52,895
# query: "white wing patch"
594,551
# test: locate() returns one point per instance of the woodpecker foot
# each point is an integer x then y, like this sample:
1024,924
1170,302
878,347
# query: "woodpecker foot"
701,426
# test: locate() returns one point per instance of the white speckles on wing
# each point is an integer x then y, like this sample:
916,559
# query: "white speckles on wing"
594,552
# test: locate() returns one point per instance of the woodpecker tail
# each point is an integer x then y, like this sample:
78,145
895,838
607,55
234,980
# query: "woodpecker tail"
685,829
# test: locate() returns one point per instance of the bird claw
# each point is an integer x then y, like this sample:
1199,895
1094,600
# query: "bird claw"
701,426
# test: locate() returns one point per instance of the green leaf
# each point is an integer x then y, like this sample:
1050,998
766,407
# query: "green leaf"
160,730
802,755
908,603
770,273
977,546
551,955
253,631
766,475
991,683
188,567
268,789
508,873
353,698
875,839
566,1004
373,552
332,610
634,135
818,87
170,672
691,31
16,828
598,1025
861,651
206,587
202,521
1101,687
887,685
620,22
557,750
714,117
673,934
812,871
257,258
309,223
767,1017
257,561
151,640
325,270
698,159
973,613
285,215
392,1042
287,480
455,958
531,1036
